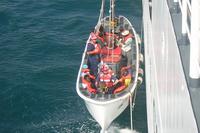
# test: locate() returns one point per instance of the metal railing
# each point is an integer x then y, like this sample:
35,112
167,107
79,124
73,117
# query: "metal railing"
185,6
191,27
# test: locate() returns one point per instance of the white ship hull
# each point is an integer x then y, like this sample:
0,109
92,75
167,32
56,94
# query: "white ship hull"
104,114
169,108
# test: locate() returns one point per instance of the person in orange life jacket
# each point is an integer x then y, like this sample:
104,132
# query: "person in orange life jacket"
107,77
93,51
126,45
87,79
124,81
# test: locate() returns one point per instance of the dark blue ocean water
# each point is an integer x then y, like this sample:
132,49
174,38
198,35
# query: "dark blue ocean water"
41,44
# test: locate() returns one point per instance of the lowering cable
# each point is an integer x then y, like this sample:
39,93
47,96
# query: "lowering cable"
132,105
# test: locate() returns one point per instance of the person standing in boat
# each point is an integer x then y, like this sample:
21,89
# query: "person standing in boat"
126,45
93,52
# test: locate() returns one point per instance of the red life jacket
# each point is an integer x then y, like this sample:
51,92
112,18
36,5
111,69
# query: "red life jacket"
127,37
88,85
87,71
107,78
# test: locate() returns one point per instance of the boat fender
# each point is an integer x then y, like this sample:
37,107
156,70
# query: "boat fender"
140,72
138,39
139,80
141,58
140,75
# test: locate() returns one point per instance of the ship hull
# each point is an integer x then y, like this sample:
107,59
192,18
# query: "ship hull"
104,114
168,101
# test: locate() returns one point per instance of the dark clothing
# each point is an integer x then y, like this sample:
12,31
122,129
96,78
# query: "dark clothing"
90,47
93,60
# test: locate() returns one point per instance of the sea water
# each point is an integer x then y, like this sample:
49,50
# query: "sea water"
41,45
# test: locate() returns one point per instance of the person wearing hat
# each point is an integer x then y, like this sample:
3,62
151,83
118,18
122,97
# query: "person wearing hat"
93,52
86,71
126,45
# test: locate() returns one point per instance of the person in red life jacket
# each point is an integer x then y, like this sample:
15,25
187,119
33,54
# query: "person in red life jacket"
93,51
106,77
87,80
126,45
124,81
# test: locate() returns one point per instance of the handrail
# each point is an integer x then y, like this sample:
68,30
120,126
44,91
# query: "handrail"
190,27
185,6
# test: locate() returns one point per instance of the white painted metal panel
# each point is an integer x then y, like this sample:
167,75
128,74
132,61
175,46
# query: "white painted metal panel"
169,107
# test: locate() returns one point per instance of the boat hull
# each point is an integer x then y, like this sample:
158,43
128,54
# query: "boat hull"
104,114
105,109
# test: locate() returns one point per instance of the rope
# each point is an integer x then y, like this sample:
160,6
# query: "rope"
131,111
101,15
112,26
141,36
110,30
132,105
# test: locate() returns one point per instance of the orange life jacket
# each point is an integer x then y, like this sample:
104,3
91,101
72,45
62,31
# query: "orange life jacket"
122,80
85,83
87,71
88,85
123,86
128,76
119,89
